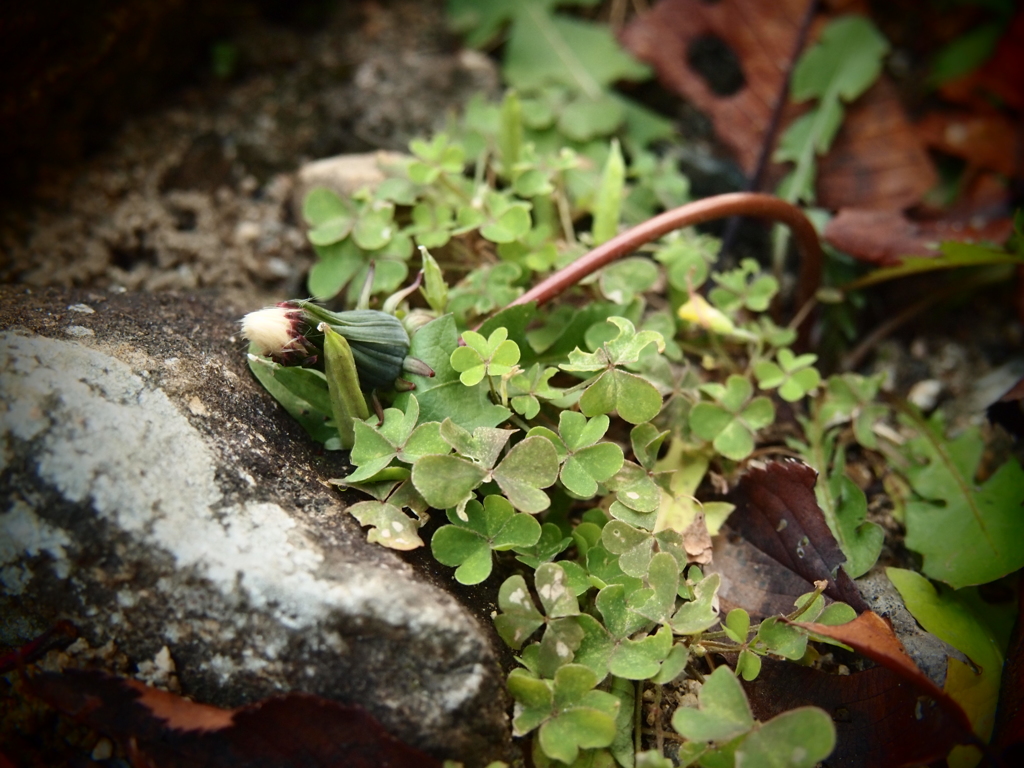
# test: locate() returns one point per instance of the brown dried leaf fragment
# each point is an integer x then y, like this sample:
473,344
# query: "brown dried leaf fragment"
162,730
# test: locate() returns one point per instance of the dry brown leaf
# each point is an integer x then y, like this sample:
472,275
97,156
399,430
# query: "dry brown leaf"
697,541
762,35
883,238
162,730
881,721
877,160
986,140
1002,76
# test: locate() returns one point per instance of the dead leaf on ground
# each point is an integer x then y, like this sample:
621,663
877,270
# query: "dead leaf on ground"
1008,736
877,160
162,730
881,720
762,35
753,581
697,540
776,511
1002,76
986,140
883,238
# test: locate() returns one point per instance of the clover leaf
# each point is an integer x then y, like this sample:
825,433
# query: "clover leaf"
330,218
696,615
493,356
433,158
722,714
396,437
525,389
743,287
485,289
449,481
731,422
570,714
389,525
506,219
552,542
794,376
585,461
519,617
467,543
637,495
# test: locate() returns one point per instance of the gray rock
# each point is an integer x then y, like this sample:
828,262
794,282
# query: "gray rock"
154,495
929,652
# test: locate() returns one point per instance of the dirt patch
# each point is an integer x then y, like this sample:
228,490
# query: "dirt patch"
198,194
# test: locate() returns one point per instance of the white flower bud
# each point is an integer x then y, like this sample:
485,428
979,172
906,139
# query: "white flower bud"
271,329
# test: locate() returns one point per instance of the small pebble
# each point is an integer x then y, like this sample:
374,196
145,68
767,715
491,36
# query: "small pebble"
85,309
78,330
103,750
925,394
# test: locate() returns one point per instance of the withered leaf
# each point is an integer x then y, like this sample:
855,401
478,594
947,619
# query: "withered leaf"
881,720
162,730
988,140
1009,732
752,580
777,512
883,238
877,160
762,35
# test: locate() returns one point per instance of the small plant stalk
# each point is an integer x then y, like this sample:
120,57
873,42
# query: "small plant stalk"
757,205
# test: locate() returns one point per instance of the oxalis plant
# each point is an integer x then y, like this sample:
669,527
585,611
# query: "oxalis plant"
565,441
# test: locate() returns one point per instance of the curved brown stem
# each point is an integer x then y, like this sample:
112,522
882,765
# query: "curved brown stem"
754,204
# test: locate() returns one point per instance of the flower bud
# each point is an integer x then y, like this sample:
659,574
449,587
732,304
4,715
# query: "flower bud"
279,333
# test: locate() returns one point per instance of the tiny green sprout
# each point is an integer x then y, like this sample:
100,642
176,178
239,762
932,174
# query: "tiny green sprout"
493,356
743,287
794,376
731,421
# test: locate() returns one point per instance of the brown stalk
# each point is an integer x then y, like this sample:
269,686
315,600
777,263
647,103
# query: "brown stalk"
753,204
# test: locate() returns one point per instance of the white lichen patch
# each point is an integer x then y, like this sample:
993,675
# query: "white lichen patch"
108,439
22,535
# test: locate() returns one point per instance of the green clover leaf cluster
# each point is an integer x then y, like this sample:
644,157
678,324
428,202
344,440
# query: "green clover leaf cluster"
732,419
496,355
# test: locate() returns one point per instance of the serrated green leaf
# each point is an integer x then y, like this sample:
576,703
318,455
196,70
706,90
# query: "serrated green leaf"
582,55
586,117
945,615
846,60
968,533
